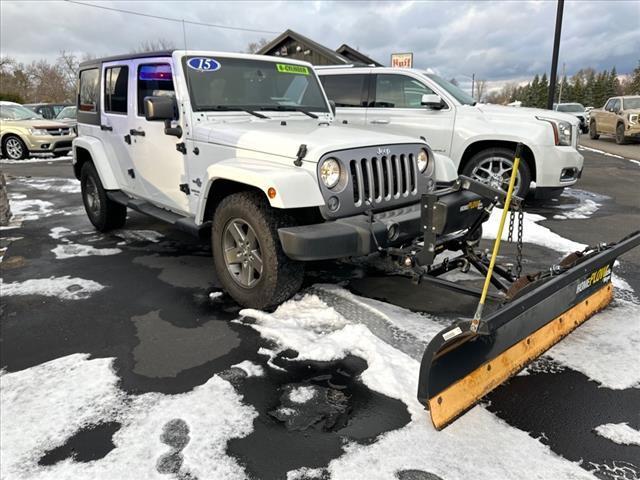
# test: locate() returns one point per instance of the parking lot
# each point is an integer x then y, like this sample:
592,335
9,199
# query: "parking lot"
122,357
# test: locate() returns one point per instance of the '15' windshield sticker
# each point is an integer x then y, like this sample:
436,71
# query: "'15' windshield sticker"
298,69
203,64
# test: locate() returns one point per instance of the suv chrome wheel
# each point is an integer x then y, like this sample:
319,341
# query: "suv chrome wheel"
13,148
242,254
495,172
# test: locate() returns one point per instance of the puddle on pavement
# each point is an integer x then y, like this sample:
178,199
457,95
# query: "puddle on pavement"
309,410
562,407
88,444
572,204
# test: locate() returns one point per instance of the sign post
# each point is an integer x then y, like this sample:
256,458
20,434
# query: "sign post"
402,60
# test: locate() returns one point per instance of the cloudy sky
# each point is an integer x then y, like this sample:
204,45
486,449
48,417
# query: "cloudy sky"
498,41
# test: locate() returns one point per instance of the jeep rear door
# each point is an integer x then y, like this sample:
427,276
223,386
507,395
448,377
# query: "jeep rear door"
158,165
395,107
350,92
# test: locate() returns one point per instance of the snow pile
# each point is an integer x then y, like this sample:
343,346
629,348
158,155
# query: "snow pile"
620,433
532,232
318,332
65,288
250,368
38,414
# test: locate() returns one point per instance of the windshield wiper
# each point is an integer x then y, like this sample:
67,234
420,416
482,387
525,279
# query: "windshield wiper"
225,108
283,108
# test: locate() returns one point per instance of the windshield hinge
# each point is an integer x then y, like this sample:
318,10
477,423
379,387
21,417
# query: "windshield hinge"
181,147
302,151
184,188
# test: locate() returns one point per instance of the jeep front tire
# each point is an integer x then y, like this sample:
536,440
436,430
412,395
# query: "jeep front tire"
249,260
104,213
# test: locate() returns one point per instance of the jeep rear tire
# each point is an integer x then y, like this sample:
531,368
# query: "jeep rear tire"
593,131
104,213
493,167
249,260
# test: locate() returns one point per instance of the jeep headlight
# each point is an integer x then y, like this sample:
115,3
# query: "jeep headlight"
633,118
38,131
561,131
330,172
422,160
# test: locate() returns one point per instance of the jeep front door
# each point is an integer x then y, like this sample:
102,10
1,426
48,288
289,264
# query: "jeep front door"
397,108
158,165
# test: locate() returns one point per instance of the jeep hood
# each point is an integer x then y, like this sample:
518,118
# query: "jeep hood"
524,113
283,137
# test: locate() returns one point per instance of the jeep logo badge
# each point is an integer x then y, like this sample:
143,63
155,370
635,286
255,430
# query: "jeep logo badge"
384,151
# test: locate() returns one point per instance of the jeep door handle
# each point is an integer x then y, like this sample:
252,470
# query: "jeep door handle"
136,133
106,128
380,121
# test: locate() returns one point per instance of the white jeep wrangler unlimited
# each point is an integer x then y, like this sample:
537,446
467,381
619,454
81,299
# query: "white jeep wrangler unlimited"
243,147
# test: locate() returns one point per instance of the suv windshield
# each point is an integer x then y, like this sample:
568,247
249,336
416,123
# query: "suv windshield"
245,84
630,103
455,92
570,107
17,112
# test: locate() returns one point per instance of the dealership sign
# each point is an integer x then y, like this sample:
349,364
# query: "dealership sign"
402,60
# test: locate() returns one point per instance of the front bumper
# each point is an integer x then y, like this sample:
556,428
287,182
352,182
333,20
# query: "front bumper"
632,130
360,235
553,163
49,143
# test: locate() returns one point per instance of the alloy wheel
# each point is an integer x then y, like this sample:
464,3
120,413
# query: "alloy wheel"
242,254
496,172
91,196
13,147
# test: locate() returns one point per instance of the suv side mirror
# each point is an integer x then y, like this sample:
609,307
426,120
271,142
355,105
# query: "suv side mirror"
163,108
332,104
431,100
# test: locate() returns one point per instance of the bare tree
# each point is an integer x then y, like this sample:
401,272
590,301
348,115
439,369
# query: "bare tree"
253,47
480,88
154,46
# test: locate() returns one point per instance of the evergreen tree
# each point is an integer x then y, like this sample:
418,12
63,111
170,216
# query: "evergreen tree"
543,92
633,88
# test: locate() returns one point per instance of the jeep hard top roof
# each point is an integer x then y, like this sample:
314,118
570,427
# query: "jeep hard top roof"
128,56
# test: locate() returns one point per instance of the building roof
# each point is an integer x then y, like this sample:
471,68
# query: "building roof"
327,52
354,55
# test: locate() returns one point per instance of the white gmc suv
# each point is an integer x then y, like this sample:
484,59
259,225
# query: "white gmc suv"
479,138
244,149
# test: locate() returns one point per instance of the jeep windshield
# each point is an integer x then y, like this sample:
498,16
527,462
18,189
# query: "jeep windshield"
17,112
219,84
457,93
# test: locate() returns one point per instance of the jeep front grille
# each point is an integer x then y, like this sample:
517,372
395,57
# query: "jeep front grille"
377,180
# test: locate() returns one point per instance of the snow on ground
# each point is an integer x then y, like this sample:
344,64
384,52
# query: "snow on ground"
533,232
250,368
69,249
586,208
139,235
302,394
318,332
38,414
620,433
65,288
36,160
62,185
24,209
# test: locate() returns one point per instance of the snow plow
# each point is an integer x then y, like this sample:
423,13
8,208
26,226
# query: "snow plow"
515,322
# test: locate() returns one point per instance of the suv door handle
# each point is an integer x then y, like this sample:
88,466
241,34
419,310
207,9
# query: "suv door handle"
136,133
106,128
380,121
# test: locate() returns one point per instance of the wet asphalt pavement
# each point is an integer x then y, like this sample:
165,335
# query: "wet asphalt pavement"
163,319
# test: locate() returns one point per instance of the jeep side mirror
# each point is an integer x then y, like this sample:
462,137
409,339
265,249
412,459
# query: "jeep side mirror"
431,100
164,109
332,104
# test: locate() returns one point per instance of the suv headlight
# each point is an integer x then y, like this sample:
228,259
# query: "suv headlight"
422,160
633,118
561,131
330,172
38,131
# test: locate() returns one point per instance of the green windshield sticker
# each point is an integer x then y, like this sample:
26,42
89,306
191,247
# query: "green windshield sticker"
297,69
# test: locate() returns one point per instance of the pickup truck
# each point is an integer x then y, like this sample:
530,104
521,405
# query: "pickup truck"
479,138
244,149
618,117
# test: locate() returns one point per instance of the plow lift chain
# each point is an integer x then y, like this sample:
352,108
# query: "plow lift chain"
519,211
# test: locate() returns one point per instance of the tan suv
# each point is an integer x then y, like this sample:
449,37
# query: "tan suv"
23,132
619,117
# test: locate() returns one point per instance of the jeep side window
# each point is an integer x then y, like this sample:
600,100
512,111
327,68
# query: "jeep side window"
154,80
116,81
89,90
399,91
345,90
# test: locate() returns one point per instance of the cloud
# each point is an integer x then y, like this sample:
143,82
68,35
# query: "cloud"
496,40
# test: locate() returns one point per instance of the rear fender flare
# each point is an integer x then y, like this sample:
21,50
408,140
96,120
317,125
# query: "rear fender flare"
99,158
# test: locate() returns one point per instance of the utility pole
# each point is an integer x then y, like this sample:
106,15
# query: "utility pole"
554,59
561,82
473,81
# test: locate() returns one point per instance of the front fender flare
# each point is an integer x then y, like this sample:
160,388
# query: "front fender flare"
295,187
